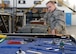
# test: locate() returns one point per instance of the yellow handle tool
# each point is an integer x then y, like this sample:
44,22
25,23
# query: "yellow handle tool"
3,36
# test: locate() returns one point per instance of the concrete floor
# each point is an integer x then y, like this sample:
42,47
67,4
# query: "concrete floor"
71,30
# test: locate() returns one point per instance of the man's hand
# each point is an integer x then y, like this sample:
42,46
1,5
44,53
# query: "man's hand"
53,32
45,23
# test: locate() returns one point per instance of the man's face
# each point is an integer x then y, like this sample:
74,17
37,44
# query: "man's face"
50,7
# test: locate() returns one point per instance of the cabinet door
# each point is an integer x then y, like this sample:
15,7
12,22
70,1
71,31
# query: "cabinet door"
68,18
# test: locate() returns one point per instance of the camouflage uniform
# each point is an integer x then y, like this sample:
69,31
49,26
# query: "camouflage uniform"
56,20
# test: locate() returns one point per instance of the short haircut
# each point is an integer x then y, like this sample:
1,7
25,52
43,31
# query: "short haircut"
51,2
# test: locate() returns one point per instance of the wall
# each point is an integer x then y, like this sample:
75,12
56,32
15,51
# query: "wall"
28,4
74,19
0,1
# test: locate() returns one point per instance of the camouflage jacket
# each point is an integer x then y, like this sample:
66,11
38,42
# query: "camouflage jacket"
56,20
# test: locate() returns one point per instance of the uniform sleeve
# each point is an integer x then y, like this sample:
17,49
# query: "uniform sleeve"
59,22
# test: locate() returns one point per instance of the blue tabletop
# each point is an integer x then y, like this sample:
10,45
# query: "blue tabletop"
39,45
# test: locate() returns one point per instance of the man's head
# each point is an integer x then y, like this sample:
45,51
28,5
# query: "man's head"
51,6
